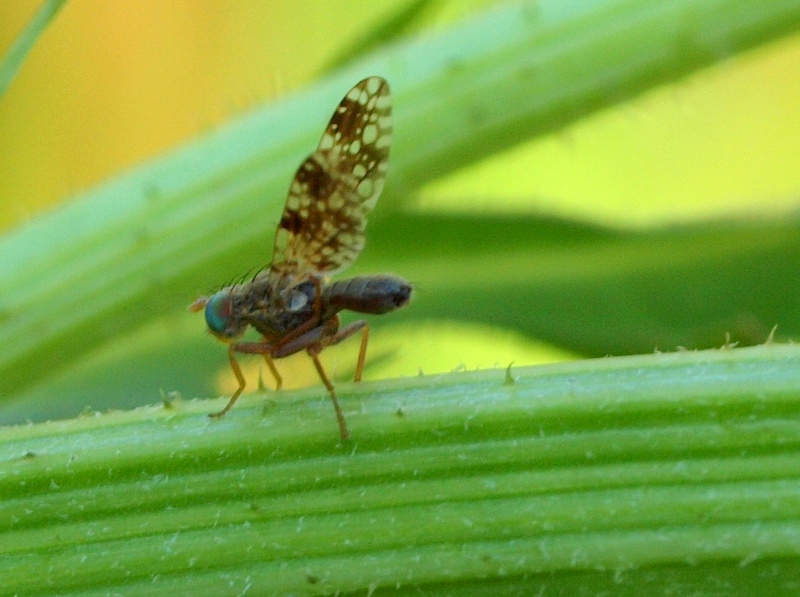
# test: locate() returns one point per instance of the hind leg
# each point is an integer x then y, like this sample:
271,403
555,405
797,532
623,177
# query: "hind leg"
343,432
314,350
346,332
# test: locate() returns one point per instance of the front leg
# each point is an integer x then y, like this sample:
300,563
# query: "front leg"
261,348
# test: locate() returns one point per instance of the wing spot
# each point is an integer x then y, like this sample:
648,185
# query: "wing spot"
336,202
365,188
326,142
370,134
384,141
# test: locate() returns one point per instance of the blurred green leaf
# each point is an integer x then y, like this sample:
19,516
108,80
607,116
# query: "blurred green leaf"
406,20
596,290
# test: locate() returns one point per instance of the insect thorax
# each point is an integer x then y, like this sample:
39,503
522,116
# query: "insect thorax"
274,311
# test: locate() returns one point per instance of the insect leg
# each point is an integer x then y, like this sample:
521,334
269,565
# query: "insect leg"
274,371
310,338
249,348
346,332
237,371
362,352
339,416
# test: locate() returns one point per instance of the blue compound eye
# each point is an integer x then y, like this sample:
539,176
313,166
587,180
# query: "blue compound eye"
218,312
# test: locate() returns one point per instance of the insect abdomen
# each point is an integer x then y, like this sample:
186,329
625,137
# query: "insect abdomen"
367,294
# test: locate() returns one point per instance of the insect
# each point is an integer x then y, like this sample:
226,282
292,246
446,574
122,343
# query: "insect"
321,232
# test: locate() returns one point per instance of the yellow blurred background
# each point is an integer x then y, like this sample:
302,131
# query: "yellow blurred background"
110,84
113,83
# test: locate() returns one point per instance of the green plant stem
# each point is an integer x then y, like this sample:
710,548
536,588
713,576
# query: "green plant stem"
148,241
15,56
685,465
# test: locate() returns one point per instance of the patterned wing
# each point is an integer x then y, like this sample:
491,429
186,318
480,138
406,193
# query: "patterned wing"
322,227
